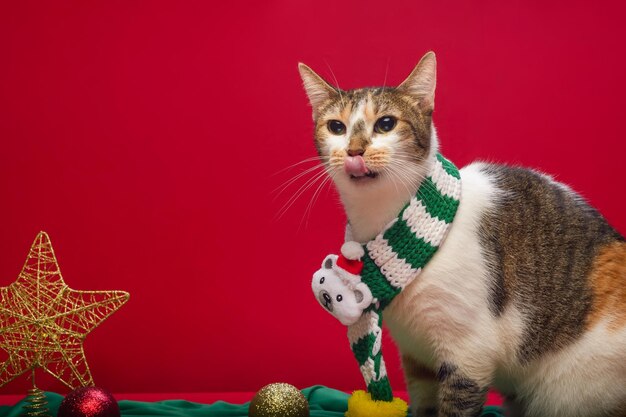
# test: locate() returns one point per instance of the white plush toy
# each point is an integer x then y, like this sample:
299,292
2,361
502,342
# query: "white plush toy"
338,287
341,287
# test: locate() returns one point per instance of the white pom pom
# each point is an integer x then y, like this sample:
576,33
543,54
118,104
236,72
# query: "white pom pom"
352,250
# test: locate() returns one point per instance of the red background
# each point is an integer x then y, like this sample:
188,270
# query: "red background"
144,138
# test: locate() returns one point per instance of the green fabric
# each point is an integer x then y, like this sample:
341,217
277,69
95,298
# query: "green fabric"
409,247
323,402
380,288
449,167
446,207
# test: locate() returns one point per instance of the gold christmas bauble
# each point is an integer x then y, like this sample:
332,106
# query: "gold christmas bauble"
279,400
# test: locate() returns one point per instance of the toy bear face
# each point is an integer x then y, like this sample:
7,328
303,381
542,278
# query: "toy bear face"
344,301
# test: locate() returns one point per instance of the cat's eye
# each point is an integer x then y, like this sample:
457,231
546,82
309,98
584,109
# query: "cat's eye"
336,127
385,124
322,280
339,298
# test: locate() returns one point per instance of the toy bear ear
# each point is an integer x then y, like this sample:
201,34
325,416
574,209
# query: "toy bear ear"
329,261
363,295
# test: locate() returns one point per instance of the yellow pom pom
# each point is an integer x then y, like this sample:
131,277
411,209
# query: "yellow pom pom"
361,404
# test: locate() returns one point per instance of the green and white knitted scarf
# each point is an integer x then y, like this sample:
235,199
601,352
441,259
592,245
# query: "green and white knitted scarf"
395,257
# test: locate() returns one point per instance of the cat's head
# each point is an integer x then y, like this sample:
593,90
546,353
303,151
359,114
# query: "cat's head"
375,136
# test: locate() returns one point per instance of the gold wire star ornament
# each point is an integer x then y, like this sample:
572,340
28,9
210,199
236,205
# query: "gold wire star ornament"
43,322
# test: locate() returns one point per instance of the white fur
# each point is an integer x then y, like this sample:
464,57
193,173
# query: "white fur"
444,316
386,140
574,381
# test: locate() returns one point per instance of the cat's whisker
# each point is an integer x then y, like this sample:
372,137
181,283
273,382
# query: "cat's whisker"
407,168
386,72
403,178
405,153
397,176
292,200
411,170
391,173
414,178
281,188
336,83
310,182
315,171
316,176
313,158
399,171
316,194
406,174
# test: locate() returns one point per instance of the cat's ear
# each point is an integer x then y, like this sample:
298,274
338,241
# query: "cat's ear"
318,90
420,84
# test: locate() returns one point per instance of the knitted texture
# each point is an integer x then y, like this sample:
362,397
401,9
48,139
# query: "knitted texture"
395,257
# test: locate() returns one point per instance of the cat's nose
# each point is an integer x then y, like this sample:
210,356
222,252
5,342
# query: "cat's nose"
356,152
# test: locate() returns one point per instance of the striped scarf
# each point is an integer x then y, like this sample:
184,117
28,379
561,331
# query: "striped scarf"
395,257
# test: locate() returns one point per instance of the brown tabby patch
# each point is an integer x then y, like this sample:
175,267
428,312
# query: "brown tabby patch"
541,240
608,283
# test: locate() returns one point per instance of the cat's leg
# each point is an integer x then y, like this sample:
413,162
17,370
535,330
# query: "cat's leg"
422,385
461,392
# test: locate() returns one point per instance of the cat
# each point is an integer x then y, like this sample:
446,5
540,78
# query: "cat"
527,293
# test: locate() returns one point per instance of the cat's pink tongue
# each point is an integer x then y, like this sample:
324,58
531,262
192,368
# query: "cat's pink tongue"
355,165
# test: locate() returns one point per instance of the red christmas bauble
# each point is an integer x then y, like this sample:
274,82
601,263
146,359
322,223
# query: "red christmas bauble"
89,402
